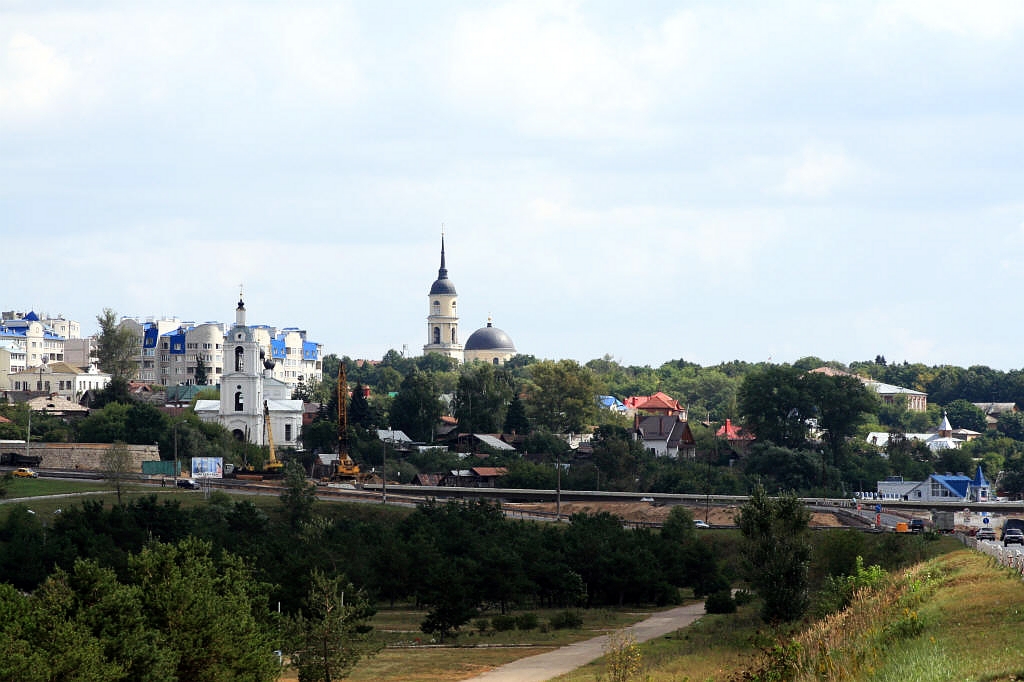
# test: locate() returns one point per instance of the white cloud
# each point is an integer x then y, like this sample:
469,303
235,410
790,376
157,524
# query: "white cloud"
817,173
549,70
33,79
981,19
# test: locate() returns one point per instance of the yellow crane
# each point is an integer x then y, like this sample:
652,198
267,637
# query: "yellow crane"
346,469
273,465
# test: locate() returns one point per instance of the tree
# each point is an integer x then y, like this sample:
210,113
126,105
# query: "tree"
359,411
515,418
564,395
200,375
210,609
778,552
481,398
116,347
328,638
298,496
117,467
963,414
842,403
776,405
417,408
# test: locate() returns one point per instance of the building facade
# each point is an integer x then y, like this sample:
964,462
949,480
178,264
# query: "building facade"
443,315
249,393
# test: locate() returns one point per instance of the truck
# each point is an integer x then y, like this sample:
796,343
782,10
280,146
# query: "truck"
944,521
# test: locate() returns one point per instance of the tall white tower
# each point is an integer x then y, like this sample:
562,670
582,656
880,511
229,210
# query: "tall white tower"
241,388
443,316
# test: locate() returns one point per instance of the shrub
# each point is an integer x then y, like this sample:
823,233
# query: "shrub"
503,623
481,624
742,597
567,620
720,602
526,621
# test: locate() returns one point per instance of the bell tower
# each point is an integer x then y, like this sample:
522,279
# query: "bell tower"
442,315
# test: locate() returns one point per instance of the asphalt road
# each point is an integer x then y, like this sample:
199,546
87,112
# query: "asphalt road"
566,659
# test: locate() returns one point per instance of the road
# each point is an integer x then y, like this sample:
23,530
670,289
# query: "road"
566,659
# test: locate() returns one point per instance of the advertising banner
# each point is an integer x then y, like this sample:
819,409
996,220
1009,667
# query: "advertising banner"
207,467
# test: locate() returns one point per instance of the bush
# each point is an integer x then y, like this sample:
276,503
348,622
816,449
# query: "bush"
481,624
567,620
526,621
720,602
503,623
742,597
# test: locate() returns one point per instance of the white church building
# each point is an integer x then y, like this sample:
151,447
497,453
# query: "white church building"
246,385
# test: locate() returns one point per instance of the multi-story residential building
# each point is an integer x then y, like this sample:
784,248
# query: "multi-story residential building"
170,350
59,378
29,341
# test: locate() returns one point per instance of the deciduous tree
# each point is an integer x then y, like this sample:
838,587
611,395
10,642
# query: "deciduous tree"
116,347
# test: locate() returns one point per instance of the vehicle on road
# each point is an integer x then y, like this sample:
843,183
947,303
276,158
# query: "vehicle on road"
916,526
1013,536
985,534
697,523
25,472
189,483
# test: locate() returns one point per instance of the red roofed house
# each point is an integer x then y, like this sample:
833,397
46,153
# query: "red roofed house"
659,403
739,439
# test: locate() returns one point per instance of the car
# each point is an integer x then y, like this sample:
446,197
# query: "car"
25,472
697,523
985,534
647,499
190,483
916,526
1012,536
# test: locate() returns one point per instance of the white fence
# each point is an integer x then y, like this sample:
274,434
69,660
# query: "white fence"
1011,557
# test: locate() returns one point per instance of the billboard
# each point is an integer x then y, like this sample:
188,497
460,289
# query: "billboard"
207,467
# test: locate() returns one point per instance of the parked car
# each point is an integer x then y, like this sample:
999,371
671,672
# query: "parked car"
190,483
985,534
1013,535
697,523
25,472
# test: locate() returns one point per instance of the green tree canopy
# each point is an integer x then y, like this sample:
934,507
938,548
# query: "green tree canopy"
563,396
116,347
482,398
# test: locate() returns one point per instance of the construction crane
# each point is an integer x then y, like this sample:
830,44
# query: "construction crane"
346,469
273,465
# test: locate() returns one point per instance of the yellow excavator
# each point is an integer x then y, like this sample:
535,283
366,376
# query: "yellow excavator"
345,470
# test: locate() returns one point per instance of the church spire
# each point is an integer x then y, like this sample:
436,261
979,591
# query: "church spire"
442,272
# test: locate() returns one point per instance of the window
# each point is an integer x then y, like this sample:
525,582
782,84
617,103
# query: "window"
238,401
495,361
455,338
287,432
437,307
437,335
239,359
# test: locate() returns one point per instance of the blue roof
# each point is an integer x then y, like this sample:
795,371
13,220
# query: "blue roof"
979,479
957,485
310,350
277,349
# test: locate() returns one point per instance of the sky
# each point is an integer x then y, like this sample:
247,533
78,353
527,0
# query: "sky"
711,181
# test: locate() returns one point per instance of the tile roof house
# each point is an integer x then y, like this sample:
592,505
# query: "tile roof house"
658,403
665,435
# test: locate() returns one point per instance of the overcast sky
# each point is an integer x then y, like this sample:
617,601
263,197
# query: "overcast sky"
656,180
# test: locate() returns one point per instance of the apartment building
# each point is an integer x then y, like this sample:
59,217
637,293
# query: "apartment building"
170,351
29,340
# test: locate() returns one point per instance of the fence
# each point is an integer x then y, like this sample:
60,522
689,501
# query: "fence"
1011,557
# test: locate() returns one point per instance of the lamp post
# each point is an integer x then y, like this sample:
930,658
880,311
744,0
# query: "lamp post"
384,468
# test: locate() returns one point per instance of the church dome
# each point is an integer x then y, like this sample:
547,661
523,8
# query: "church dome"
489,338
442,285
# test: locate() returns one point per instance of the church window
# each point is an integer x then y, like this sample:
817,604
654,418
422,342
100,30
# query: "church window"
239,403
239,359
437,335
437,307
455,338
495,361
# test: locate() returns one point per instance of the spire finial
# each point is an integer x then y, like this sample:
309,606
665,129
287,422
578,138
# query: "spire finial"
442,273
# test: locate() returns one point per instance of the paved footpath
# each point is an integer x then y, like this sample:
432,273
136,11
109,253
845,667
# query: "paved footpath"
566,659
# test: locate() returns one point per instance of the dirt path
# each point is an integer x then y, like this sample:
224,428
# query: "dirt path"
566,659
